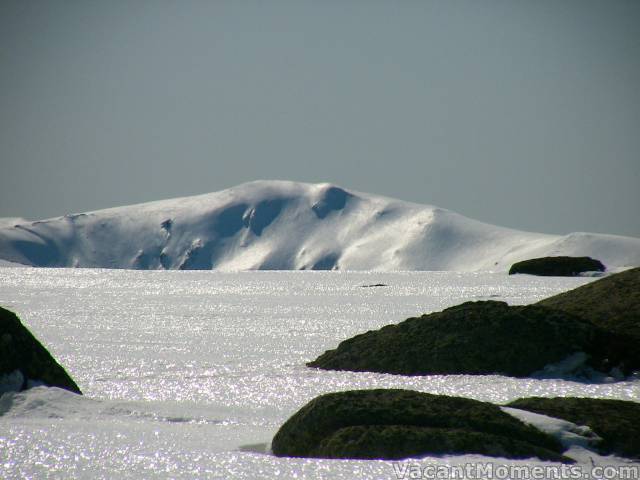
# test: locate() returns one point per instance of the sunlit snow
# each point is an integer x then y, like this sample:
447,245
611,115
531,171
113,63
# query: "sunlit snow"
190,374
278,225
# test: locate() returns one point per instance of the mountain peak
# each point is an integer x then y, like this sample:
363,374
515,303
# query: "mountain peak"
277,224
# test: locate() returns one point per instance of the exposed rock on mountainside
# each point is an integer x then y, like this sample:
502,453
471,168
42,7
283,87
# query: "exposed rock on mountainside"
396,424
482,338
617,422
557,266
24,362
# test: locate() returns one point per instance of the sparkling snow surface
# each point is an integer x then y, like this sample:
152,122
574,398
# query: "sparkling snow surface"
190,374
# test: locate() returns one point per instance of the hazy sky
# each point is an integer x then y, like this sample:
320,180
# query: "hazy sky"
519,113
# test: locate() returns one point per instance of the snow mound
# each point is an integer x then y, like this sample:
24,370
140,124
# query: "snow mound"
579,440
569,434
278,225
51,402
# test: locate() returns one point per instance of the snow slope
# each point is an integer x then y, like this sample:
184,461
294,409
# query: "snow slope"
189,375
290,226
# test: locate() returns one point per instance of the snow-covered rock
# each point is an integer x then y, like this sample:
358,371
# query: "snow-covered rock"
290,226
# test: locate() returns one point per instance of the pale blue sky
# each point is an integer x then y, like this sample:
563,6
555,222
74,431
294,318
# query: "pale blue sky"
519,113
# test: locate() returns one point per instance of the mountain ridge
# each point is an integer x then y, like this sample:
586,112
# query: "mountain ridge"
282,225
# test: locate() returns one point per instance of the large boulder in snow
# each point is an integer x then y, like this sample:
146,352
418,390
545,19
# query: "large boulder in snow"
612,302
616,422
482,338
24,361
396,424
557,266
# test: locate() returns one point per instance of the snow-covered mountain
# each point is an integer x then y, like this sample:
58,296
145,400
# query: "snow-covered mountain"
290,226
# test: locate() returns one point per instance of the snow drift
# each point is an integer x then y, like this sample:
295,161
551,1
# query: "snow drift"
291,226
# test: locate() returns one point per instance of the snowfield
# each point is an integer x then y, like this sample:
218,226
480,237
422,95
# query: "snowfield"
190,374
277,225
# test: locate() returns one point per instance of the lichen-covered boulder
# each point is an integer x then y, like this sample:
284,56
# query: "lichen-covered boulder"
612,302
482,338
617,422
396,424
24,361
557,266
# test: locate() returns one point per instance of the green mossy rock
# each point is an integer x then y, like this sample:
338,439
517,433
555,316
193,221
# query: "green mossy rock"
21,351
612,302
396,424
617,422
481,338
557,266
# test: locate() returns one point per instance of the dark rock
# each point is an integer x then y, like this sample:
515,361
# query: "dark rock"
557,266
617,422
396,424
482,338
612,302
166,225
21,352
